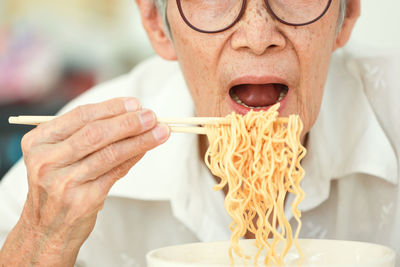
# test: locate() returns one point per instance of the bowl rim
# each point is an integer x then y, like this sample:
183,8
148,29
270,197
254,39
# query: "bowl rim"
390,254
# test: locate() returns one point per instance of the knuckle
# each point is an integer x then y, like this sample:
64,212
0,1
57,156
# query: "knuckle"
111,109
130,122
84,170
41,183
114,106
61,191
56,136
92,134
82,114
141,144
148,141
40,171
67,184
108,154
32,163
43,168
119,171
26,143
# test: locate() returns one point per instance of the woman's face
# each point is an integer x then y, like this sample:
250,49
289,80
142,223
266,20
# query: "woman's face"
254,60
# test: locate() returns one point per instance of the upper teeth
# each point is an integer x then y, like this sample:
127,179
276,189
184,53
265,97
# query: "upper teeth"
283,93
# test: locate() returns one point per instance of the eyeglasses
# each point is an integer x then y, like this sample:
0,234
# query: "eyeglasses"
212,16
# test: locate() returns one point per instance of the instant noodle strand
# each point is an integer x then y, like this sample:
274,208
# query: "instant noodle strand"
258,159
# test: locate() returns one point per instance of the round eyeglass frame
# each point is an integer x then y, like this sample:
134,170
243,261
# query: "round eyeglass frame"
242,10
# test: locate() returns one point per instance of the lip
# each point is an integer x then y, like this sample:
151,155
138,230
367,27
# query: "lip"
256,80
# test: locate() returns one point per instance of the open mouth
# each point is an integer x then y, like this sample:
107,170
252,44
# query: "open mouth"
258,96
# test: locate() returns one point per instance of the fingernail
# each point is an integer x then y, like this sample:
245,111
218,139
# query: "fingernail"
146,118
161,132
131,104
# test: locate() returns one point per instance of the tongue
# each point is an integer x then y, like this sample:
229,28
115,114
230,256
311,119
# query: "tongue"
258,95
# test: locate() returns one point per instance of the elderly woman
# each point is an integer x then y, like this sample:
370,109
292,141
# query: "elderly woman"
232,55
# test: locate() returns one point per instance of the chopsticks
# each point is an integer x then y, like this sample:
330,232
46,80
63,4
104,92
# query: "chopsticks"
191,120
172,122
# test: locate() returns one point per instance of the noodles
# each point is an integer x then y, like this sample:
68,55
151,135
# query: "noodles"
258,158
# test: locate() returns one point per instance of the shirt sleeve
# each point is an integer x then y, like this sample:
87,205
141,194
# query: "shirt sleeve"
13,192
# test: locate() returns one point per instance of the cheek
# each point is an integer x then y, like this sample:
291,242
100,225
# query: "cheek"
314,59
198,56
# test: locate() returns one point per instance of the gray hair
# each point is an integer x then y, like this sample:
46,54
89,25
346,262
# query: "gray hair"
162,8
342,13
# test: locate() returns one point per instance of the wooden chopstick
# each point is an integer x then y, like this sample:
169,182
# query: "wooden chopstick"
172,122
36,120
30,120
188,129
194,120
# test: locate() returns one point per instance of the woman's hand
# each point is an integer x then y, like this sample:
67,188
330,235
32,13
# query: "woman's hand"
72,162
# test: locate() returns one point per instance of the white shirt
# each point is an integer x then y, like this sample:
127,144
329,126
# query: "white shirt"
352,168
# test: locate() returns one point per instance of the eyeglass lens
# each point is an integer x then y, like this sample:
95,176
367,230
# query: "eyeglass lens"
217,15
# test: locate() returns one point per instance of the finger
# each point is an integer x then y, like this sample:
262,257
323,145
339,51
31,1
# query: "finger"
104,183
64,126
97,135
115,154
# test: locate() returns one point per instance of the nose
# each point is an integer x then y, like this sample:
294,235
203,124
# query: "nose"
256,31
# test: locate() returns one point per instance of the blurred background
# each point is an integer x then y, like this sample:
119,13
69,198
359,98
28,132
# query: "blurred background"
53,50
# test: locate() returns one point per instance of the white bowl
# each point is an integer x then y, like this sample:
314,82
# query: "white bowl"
316,253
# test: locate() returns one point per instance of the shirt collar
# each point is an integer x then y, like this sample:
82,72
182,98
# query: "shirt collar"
347,136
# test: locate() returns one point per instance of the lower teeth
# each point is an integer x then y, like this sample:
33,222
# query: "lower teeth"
281,96
237,100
